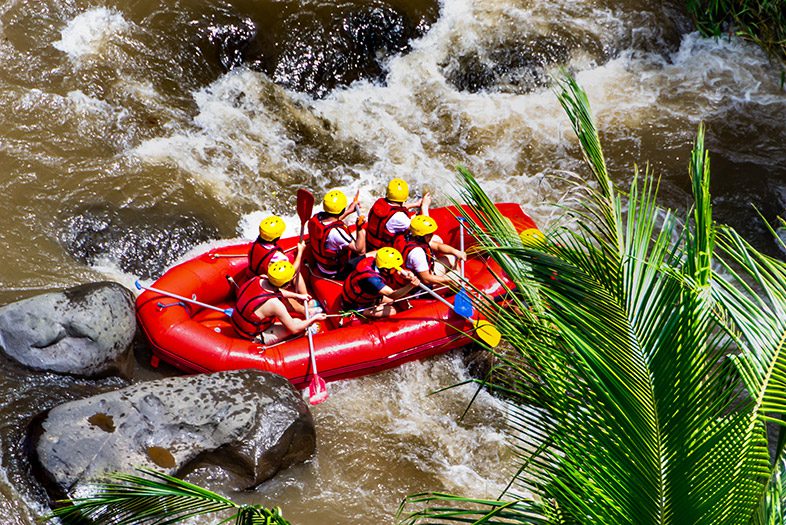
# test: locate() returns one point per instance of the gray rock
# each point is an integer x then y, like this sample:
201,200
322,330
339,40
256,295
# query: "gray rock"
143,242
251,422
86,330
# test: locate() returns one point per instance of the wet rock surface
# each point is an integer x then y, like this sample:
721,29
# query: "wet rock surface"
251,422
86,330
316,50
518,67
140,242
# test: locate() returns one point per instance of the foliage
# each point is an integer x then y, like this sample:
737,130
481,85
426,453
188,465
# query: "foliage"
157,499
761,21
654,346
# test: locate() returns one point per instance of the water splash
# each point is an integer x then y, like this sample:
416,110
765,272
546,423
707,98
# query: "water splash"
89,32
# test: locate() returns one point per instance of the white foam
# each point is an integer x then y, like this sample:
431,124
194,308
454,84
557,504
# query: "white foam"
424,428
248,228
90,31
95,107
419,126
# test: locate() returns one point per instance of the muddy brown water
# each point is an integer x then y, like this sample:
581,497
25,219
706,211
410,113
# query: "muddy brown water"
133,132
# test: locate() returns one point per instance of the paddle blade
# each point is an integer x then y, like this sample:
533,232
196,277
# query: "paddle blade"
487,333
305,204
317,390
462,304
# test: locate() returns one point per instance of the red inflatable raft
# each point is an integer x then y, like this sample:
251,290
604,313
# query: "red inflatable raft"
197,339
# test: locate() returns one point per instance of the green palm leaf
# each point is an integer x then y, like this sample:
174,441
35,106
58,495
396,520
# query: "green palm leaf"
636,353
157,499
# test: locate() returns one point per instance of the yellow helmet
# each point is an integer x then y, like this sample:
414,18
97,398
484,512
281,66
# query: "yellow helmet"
388,258
398,190
272,228
422,225
532,237
335,202
280,273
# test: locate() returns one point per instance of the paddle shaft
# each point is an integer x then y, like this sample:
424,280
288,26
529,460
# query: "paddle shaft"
461,243
400,299
487,332
317,391
238,255
436,296
310,340
227,311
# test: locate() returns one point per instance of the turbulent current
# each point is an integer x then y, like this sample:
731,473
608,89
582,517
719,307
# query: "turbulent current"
135,132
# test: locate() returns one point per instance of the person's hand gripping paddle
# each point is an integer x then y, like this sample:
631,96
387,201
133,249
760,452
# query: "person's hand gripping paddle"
317,389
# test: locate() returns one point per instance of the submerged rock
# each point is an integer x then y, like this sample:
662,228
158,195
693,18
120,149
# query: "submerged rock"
251,422
141,242
317,49
517,67
86,330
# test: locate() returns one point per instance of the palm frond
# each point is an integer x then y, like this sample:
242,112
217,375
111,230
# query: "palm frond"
157,499
576,104
487,512
628,346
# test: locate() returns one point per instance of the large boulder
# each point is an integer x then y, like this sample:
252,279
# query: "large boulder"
86,330
251,422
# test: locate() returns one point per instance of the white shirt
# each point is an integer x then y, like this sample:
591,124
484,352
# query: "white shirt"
417,260
398,223
336,240
279,256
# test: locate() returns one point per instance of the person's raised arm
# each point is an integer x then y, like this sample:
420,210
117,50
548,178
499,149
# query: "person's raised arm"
358,245
425,203
301,246
349,210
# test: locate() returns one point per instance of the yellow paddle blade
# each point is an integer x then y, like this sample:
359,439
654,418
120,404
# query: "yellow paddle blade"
487,333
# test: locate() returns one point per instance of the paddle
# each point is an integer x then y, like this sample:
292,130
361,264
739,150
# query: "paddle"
461,243
357,196
305,205
213,255
463,304
486,331
227,311
317,390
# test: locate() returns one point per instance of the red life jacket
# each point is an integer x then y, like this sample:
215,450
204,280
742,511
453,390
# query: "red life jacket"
377,235
260,255
405,245
353,293
331,260
249,298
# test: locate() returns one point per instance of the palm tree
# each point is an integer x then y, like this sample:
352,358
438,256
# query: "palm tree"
654,349
157,499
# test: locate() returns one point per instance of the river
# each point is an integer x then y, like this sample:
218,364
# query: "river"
134,132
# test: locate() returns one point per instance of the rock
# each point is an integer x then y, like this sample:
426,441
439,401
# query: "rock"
781,239
252,422
143,242
86,330
519,66
315,50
